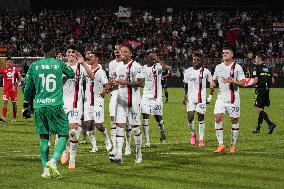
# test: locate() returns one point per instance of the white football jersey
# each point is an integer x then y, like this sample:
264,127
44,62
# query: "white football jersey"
95,87
112,68
73,88
129,96
225,92
196,81
153,79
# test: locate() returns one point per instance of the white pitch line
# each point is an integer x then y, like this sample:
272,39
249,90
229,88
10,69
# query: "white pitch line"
200,153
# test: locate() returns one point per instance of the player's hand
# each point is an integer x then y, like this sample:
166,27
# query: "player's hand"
228,80
103,94
79,58
121,82
209,99
185,100
212,84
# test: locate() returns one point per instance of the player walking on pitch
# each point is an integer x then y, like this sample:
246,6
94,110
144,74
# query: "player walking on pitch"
229,76
45,76
195,96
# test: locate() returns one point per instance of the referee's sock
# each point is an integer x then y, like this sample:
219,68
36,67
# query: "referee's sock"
264,115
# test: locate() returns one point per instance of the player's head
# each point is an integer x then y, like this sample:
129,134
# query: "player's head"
126,54
197,60
71,52
259,59
117,51
9,62
148,58
91,57
227,54
48,50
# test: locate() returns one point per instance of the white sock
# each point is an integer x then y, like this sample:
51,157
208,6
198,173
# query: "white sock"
105,134
235,132
119,141
92,138
145,124
128,134
201,130
138,139
161,125
73,150
113,134
219,132
191,127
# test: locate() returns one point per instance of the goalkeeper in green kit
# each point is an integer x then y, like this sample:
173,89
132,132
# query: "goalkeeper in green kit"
45,77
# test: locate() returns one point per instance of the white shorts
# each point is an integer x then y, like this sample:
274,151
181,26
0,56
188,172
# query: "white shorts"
74,115
126,114
151,106
198,107
232,109
98,113
88,112
112,103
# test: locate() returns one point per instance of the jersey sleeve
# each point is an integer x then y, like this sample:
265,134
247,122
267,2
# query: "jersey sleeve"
29,80
215,75
185,76
208,75
67,70
139,71
103,78
1,70
240,73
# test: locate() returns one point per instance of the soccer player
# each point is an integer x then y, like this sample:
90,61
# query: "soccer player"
45,76
129,80
12,77
263,81
152,103
195,79
165,76
112,104
94,101
73,103
230,76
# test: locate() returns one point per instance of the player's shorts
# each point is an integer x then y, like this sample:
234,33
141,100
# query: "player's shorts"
51,120
198,107
10,94
112,103
130,114
151,107
261,98
88,112
98,111
164,84
232,109
74,114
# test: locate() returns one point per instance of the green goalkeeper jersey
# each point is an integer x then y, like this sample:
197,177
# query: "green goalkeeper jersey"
45,77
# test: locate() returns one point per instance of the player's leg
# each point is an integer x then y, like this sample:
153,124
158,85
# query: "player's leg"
103,130
73,139
5,105
120,119
90,127
44,151
201,128
166,93
14,97
160,121
84,133
145,125
112,110
134,120
191,127
128,134
235,132
219,112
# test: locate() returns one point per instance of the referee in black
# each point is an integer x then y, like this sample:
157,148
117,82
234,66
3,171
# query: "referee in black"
165,76
263,81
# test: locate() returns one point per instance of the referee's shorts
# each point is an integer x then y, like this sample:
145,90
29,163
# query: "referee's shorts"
261,98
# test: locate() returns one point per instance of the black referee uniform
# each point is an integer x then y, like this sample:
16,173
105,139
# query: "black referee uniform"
261,100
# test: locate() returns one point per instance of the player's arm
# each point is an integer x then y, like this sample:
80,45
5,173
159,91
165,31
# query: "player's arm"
211,92
240,81
106,85
67,71
185,99
81,61
28,87
20,78
157,59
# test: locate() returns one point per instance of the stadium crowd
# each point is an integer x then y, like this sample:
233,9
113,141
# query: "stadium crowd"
174,36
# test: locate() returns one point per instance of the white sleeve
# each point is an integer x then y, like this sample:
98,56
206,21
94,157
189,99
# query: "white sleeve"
240,73
103,78
185,76
215,75
209,76
139,71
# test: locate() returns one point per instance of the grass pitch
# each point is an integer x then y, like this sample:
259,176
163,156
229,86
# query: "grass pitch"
258,163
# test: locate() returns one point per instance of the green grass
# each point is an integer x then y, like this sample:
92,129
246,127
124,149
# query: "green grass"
258,163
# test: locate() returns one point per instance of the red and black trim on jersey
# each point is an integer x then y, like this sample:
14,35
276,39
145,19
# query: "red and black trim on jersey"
200,79
155,81
77,86
232,75
92,87
128,76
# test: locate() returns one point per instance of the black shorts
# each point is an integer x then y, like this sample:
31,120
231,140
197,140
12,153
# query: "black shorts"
261,98
164,84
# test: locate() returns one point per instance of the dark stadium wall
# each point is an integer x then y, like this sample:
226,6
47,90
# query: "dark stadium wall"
15,4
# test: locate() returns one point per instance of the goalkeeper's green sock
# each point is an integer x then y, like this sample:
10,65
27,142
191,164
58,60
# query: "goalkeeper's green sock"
59,148
44,151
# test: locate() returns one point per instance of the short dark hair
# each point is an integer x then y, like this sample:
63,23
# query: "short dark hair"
72,46
228,48
47,47
261,56
8,58
198,54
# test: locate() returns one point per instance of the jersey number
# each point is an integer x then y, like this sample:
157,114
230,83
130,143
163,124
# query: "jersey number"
48,83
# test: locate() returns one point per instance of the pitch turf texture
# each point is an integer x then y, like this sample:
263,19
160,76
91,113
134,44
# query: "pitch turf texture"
258,163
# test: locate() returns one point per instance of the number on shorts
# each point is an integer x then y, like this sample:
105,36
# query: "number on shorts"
236,109
48,83
134,116
98,114
158,107
74,113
